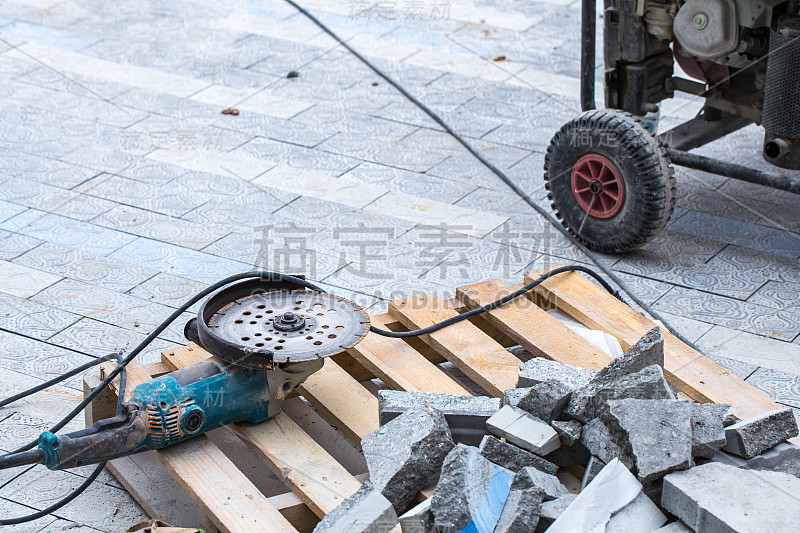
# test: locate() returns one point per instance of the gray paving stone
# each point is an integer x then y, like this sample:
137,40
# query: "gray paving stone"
568,431
524,430
513,457
545,400
708,431
418,519
550,486
406,454
521,511
721,498
540,370
467,480
366,511
784,457
753,436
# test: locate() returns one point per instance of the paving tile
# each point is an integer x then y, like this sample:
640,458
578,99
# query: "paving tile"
778,294
167,289
40,169
299,157
441,189
53,199
722,311
67,232
54,403
739,233
113,509
10,509
14,244
100,338
31,318
754,349
191,264
84,266
161,227
23,281
103,304
780,386
688,327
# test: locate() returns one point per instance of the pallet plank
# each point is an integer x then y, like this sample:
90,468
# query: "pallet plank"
701,378
471,350
531,326
400,366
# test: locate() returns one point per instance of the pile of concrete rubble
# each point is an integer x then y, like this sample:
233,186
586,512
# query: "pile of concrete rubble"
648,461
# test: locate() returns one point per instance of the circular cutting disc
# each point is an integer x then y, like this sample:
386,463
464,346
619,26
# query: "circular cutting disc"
318,324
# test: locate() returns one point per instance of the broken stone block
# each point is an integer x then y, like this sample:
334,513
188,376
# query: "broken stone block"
469,480
656,433
577,454
590,401
520,513
466,415
418,520
544,400
366,511
721,498
569,432
548,484
407,453
612,502
750,437
539,370
708,431
513,457
593,468
552,510
649,350
600,443
785,457
523,429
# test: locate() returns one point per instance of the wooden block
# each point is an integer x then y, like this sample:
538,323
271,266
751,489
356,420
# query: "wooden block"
400,366
531,326
103,406
302,464
226,496
471,350
698,376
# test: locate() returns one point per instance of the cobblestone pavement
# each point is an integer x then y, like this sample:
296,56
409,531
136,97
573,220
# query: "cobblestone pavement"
124,189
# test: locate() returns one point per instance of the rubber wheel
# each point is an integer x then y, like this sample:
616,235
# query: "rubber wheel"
609,181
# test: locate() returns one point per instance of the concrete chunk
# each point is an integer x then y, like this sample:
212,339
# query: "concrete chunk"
600,443
524,430
708,431
569,432
521,511
540,370
612,502
366,511
649,350
544,400
471,490
552,510
466,415
750,437
407,453
590,401
718,498
656,433
513,457
785,457
418,520
550,486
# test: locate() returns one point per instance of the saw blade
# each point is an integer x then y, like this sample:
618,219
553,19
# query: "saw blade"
320,324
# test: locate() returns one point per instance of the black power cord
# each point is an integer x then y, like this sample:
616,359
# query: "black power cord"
496,171
271,276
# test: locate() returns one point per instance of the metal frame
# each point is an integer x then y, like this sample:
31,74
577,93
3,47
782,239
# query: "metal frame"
685,140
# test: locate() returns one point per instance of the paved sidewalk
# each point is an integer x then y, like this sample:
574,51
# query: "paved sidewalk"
124,190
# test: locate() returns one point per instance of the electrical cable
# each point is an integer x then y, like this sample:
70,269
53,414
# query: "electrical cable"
496,171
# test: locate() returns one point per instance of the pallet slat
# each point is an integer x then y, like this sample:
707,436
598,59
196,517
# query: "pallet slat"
531,326
471,350
400,366
701,378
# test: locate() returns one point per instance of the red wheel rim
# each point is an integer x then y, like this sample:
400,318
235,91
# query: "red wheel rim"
597,186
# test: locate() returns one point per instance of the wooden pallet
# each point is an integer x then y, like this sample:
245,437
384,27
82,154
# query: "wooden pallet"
476,347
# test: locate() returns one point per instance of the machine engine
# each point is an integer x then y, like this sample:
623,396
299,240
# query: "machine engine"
744,55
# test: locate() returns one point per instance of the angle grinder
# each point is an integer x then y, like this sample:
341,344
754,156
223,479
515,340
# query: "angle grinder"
265,338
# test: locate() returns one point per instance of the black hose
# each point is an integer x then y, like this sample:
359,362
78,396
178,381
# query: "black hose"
496,171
